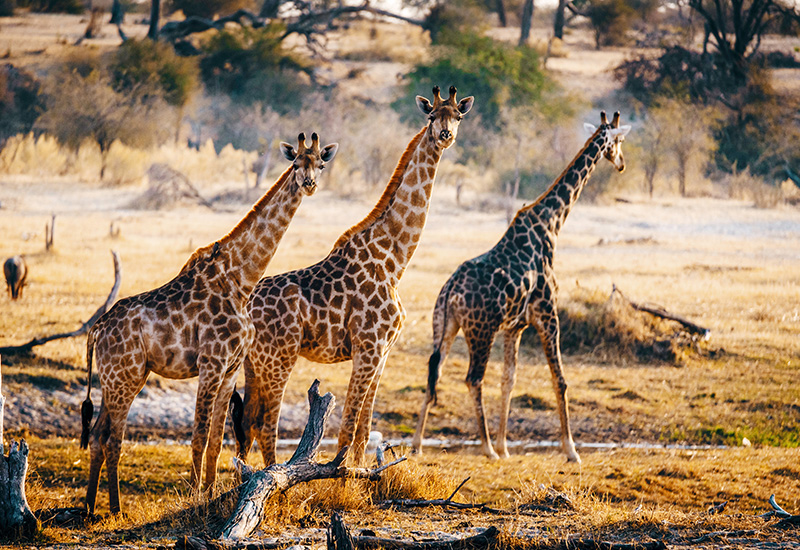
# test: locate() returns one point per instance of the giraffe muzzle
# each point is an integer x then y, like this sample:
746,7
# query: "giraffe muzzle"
445,135
309,186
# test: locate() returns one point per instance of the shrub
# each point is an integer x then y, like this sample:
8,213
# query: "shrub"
20,102
81,109
252,65
7,7
496,73
154,64
611,20
210,8
53,6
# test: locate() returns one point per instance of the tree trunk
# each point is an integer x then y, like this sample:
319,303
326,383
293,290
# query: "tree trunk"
525,22
269,9
117,13
16,518
155,14
259,486
558,20
501,12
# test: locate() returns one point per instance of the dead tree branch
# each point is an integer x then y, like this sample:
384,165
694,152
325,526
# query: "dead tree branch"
84,328
339,538
308,23
662,313
259,486
444,503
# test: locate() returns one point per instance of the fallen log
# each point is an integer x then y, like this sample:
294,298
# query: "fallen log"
662,313
339,538
16,518
84,328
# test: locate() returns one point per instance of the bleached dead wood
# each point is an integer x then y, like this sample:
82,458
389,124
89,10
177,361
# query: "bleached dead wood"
84,328
259,486
16,518
440,502
662,313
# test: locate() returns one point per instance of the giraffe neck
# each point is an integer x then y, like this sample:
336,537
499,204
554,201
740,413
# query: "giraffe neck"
245,252
391,232
553,207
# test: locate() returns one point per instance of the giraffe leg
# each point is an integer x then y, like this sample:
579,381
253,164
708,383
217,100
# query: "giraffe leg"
510,349
547,325
99,437
217,430
250,405
365,417
365,367
212,371
450,331
479,347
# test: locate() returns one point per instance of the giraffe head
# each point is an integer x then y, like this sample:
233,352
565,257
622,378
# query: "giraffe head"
308,162
444,115
611,137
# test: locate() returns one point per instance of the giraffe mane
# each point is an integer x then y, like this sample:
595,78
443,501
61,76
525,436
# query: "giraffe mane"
205,251
564,173
388,193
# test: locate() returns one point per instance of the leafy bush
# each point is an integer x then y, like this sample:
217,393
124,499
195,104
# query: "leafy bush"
611,20
7,7
497,74
252,65
20,102
53,6
146,63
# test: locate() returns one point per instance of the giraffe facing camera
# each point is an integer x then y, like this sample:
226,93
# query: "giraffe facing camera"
194,325
511,287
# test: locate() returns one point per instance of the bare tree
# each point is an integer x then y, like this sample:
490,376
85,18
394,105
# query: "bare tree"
155,15
736,26
526,20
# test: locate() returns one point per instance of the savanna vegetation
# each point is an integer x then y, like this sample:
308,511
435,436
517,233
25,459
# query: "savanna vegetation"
705,226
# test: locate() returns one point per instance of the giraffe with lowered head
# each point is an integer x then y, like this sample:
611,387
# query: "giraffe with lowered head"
512,286
195,325
346,306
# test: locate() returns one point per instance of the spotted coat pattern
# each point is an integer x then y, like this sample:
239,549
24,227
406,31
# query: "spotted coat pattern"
194,325
346,306
511,287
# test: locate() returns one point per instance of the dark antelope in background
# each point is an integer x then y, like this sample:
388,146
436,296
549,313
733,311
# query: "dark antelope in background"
15,271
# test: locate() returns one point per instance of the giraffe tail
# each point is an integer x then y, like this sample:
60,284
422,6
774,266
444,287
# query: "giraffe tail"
433,374
435,362
87,409
237,416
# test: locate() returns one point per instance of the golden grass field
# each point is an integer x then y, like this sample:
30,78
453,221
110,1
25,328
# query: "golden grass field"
721,263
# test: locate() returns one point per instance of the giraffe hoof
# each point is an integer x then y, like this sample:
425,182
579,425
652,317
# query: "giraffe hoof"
491,455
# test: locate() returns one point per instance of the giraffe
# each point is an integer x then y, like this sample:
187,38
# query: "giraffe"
195,325
346,307
512,286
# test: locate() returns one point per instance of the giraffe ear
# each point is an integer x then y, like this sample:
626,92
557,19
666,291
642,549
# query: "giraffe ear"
424,105
465,105
623,130
329,151
288,151
591,128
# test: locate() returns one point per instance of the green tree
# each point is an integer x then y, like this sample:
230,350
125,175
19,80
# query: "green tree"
610,20
20,101
145,63
210,8
252,65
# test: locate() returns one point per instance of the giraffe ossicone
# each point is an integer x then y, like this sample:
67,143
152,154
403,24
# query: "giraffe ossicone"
513,286
346,307
194,325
